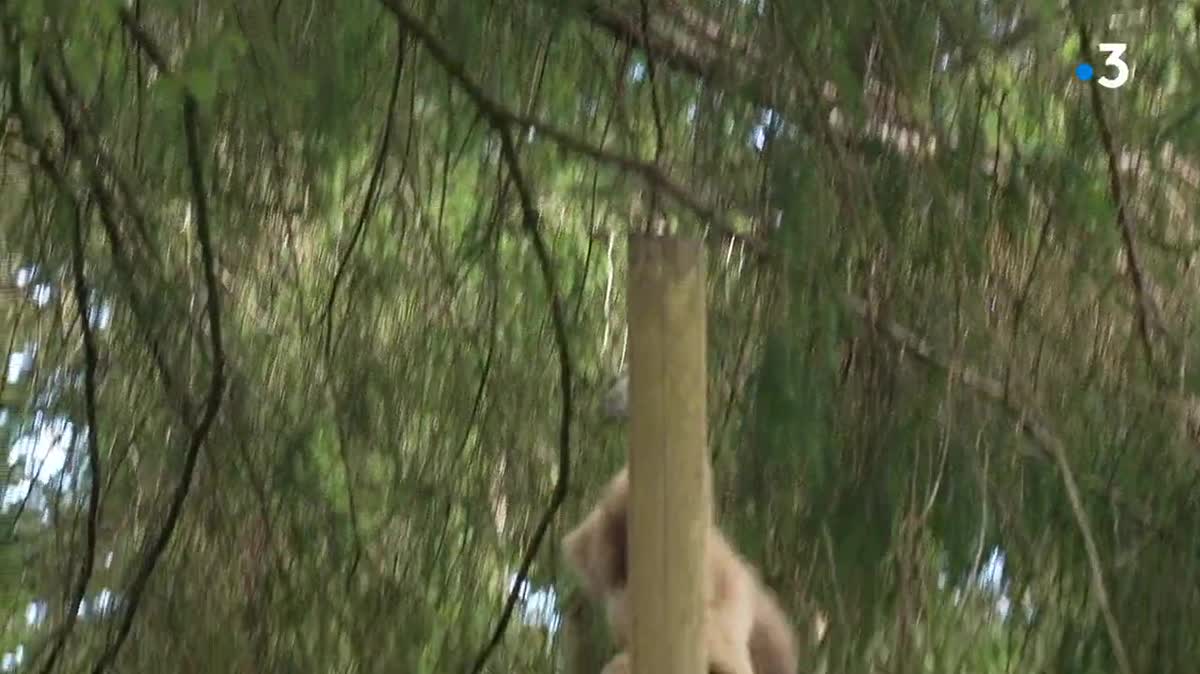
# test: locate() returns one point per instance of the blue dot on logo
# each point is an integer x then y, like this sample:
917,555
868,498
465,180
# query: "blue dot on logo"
1084,72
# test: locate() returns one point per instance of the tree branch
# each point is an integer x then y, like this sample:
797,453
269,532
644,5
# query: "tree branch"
158,544
1143,300
91,359
501,121
652,174
369,199
913,345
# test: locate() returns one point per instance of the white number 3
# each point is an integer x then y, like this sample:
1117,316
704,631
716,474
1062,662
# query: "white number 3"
1114,50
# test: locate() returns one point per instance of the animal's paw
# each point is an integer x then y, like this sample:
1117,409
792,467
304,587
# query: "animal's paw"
618,665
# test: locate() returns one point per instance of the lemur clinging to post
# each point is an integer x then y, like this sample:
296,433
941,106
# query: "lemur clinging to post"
745,629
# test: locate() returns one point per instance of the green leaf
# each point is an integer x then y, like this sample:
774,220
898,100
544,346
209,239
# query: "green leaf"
202,84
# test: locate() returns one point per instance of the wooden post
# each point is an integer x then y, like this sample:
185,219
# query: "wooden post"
670,499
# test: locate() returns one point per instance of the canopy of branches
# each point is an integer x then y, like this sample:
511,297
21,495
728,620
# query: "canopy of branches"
289,293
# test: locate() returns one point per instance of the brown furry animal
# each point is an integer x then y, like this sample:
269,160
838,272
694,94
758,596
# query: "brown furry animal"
746,631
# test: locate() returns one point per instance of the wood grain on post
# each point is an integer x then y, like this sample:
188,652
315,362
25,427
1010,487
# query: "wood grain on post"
670,492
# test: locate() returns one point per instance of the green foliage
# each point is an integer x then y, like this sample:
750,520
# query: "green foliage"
943,397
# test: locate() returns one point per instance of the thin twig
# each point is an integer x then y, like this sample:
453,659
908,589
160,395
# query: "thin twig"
501,121
1041,433
369,200
648,171
91,359
530,220
158,544
364,215
660,136
106,207
1145,307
